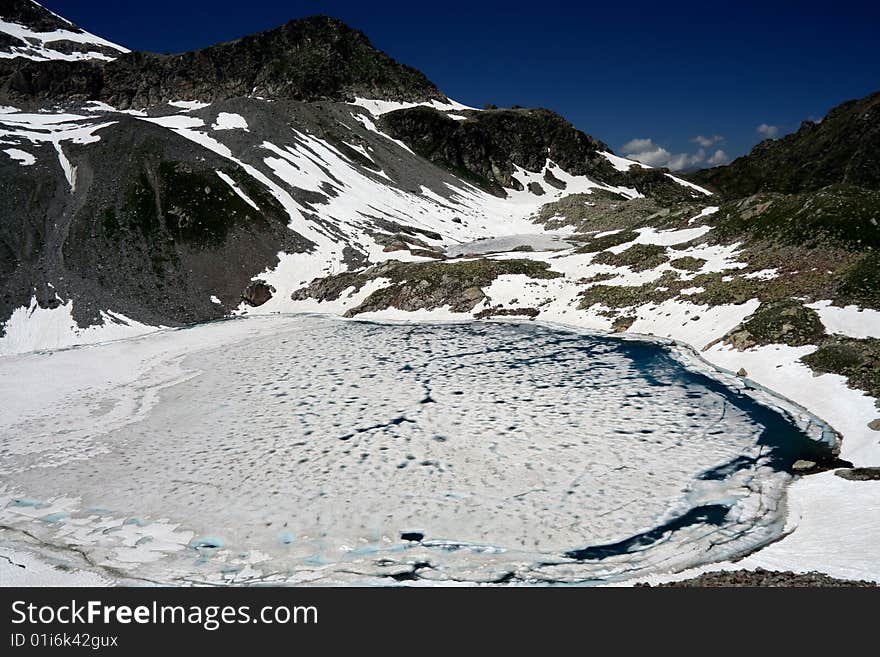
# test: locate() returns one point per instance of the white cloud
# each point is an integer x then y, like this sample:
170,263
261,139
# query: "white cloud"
768,131
638,145
705,142
647,152
717,158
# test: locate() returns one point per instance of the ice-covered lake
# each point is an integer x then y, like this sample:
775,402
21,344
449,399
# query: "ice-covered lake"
310,449
534,242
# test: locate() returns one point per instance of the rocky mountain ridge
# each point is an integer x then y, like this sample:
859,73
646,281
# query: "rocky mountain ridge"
29,31
143,210
486,146
315,58
35,16
842,148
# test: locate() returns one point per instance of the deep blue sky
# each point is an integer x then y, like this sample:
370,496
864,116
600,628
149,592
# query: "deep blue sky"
664,71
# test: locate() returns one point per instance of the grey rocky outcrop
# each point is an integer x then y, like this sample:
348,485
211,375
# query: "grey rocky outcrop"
859,474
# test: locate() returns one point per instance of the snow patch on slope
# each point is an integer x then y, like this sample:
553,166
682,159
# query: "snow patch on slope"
685,183
779,368
379,107
67,167
851,321
53,128
32,328
228,121
235,188
670,237
705,212
573,184
188,105
621,163
20,156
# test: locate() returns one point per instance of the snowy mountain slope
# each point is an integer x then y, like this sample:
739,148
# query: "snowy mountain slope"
147,223
30,31
484,147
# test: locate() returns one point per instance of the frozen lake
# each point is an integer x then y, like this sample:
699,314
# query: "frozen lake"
310,449
532,242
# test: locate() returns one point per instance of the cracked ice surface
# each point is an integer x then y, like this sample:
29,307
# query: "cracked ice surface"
300,449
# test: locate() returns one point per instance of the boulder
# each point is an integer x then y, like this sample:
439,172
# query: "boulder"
257,293
802,465
473,293
623,323
536,189
741,340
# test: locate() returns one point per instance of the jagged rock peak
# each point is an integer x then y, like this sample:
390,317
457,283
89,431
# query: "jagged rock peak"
33,15
30,31
314,58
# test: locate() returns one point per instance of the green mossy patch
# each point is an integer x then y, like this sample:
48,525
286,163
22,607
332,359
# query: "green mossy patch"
424,285
844,216
199,207
607,241
723,288
596,278
396,239
688,263
109,222
626,296
177,202
860,282
782,322
638,257
603,210
810,274
139,210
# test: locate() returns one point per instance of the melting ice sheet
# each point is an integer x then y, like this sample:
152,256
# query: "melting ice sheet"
309,449
541,242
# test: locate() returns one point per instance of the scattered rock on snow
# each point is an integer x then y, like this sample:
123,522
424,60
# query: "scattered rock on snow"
498,311
536,189
761,577
623,323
